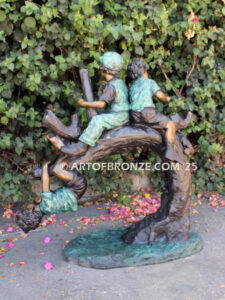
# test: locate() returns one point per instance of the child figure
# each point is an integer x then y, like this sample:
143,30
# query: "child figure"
64,198
114,98
142,107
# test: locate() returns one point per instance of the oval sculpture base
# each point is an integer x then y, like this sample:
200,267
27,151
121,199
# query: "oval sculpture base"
106,250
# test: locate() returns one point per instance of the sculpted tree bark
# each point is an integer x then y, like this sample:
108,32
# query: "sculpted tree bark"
171,222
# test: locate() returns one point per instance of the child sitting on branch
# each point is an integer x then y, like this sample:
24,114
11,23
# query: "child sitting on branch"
115,101
143,110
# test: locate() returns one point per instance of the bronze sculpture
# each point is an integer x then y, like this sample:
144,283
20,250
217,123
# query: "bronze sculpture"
170,224
114,98
52,202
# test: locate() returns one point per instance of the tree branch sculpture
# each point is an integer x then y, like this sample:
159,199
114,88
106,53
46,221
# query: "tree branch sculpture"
171,222
170,225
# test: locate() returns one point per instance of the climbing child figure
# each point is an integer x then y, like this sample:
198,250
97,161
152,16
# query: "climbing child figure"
143,110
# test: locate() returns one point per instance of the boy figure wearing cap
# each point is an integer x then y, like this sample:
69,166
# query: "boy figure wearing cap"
143,110
114,98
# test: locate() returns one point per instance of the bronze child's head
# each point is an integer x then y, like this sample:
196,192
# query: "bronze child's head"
110,64
137,68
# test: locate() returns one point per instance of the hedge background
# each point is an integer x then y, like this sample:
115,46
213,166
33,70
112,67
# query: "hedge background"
44,43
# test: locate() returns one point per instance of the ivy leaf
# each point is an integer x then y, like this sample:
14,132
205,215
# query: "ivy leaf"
4,120
8,177
11,66
30,22
19,146
2,16
115,32
139,50
223,10
67,36
126,55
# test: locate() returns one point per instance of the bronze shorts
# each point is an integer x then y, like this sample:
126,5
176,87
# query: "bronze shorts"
150,117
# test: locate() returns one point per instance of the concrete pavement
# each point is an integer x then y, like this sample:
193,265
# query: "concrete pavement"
199,277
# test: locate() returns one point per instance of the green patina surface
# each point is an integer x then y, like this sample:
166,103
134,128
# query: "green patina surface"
60,200
141,92
106,250
115,115
120,103
112,60
101,122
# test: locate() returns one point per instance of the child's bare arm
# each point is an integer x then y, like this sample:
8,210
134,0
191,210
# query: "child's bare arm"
94,104
162,97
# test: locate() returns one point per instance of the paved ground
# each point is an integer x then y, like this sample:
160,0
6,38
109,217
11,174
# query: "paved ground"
199,277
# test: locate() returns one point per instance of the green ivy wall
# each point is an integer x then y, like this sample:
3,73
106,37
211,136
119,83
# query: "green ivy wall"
44,43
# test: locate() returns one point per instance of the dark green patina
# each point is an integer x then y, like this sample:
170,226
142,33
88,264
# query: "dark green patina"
106,250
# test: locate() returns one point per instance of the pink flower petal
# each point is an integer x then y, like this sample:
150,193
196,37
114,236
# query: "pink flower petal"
195,19
9,229
48,266
47,240
10,245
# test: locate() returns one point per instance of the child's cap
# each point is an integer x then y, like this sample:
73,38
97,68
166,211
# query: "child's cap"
112,61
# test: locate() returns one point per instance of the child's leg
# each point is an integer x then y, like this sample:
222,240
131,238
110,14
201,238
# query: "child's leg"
45,182
101,122
60,171
73,180
170,132
157,120
94,130
88,138
170,137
